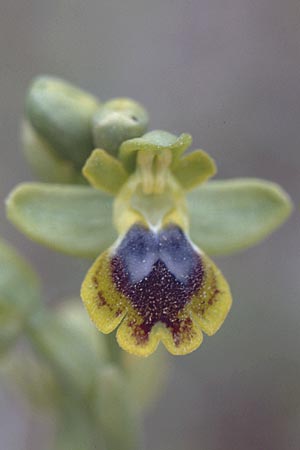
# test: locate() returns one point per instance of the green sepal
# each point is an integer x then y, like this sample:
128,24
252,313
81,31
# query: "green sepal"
19,294
104,172
116,121
155,141
62,115
115,410
44,162
193,169
71,219
230,215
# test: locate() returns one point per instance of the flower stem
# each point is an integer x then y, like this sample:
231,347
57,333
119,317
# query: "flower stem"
114,351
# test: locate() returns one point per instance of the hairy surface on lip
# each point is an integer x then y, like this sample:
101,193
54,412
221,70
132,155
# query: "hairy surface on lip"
159,273
156,287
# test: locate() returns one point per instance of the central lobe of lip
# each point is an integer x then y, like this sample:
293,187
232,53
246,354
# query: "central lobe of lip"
158,273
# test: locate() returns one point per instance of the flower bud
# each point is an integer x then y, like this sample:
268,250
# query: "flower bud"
61,114
116,121
43,160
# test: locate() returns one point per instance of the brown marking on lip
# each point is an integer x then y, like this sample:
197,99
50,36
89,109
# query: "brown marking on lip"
182,330
118,312
101,300
139,333
208,294
95,281
212,299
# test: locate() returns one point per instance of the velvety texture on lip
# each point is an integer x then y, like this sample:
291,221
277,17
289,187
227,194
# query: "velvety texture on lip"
158,273
156,286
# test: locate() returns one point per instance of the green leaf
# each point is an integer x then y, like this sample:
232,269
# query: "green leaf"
104,172
62,115
229,215
72,219
19,294
194,169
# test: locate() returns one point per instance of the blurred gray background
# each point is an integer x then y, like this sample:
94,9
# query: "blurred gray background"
228,72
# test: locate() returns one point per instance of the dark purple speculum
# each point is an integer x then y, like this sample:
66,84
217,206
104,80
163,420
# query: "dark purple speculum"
158,273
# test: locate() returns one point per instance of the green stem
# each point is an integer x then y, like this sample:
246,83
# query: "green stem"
114,350
95,403
115,409
77,427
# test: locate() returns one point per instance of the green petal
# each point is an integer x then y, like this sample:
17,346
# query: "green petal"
229,215
71,219
62,115
194,169
19,293
105,172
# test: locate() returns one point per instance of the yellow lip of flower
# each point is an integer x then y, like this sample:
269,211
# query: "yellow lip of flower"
158,287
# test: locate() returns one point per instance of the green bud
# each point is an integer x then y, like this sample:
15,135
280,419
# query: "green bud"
116,121
44,162
61,114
